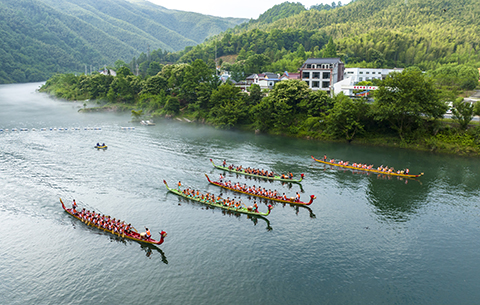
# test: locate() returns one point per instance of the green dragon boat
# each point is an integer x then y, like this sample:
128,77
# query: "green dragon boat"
218,204
242,172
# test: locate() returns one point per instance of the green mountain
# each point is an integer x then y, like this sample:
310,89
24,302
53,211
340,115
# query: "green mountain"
375,33
42,37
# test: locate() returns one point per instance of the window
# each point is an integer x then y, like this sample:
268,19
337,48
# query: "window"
326,75
306,75
325,84
315,84
309,66
308,83
315,74
349,72
367,72
360,79
361,72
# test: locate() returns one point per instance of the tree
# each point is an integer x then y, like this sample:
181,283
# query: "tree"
406,99
477,108
463,112
256,63
255,96
345,119
317,104
172,106
124,71
288,96
136,115
330,50
153,68
228,106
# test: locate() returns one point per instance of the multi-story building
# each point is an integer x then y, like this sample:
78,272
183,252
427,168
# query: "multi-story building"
353,76
322,73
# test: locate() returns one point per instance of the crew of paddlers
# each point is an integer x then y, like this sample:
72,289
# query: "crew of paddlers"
211,199
116,226
259,191
381,168
255,171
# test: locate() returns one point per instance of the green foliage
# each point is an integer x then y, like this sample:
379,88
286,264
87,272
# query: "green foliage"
280,11
172,106
347,117
330,49
405,100
43,37
137,115
228,106
463,113
477,108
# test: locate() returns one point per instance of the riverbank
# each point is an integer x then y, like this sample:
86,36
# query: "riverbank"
449,140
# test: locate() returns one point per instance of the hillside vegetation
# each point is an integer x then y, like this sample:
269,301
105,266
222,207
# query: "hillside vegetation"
366,33
42,37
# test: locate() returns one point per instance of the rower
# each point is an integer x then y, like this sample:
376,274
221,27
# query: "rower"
147,233
98,144
297,197
74,206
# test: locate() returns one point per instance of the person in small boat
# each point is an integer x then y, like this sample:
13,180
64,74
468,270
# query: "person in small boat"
103,144
324,157
98,144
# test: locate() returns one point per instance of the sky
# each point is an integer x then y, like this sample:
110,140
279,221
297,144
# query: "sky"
228,8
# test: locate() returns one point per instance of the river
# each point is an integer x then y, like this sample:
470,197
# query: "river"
365,239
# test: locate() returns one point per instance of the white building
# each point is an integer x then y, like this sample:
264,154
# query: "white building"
322,73
352,76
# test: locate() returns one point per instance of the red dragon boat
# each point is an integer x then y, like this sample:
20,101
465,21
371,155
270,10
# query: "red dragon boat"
372,170
290,200
132,235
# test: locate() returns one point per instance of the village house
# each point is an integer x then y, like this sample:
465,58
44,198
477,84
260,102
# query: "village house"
322,73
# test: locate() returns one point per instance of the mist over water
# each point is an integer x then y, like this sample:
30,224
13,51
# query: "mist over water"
365,239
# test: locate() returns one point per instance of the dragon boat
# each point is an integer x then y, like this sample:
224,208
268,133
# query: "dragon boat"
219,204
290,200
242,172
372,170
132,235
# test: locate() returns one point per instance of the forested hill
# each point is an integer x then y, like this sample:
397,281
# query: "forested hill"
41,37
374,33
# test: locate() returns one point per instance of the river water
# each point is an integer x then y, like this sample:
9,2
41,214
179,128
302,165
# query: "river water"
365,239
